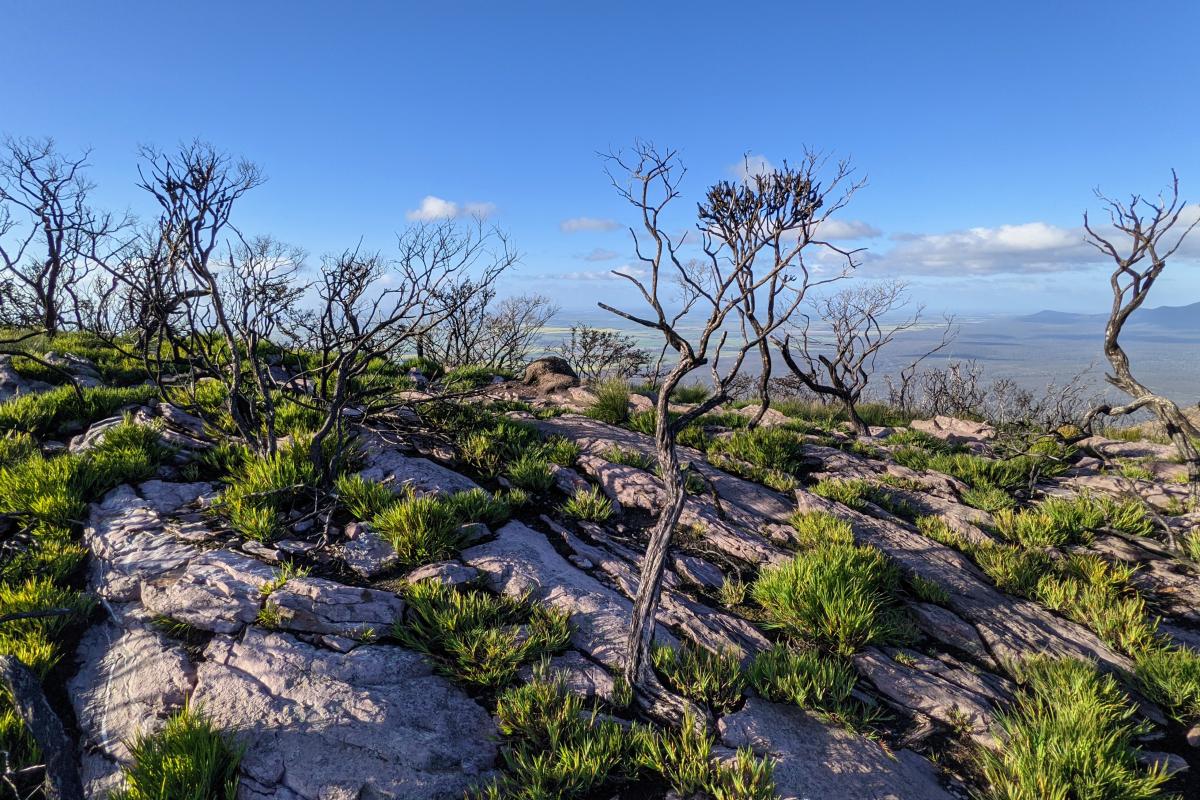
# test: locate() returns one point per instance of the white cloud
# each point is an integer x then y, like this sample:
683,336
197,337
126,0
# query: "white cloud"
751,165
600,254
598,274
578,224
434,208
1031,247
847,229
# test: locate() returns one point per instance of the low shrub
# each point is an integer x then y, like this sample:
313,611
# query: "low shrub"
51,413
588,504
817,528
712,678
802,676
988,498
266,489
477,638
561,451
422,530
612,402
768,448
840,596
531,472
1170,677
362,498
1069,734
691,394
189,759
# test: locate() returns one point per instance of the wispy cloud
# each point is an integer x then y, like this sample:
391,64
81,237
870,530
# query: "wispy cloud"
750,165
580,224
836,229
597,274
1031,247
599,254
434,208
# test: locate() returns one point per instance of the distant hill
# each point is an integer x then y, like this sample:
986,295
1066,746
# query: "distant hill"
1173,318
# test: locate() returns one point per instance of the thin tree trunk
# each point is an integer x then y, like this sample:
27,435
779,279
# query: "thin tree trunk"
62,773
764,384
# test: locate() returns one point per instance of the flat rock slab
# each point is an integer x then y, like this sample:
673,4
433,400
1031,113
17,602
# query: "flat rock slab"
386,464
316,605
218,591
129,682
366,552
129,545
318,725
166,497
520,560
816,760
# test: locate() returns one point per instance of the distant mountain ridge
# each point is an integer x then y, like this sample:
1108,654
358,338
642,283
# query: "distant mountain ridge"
1174,318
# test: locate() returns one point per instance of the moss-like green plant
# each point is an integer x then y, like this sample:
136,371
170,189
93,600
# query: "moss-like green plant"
478,638
189,759
1069,734
712,678
589,504
840,596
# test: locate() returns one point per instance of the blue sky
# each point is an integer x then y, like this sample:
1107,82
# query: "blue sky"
982,127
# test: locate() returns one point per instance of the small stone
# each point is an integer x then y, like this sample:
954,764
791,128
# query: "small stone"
1193,735
260,551
473,533
451,573
296,547
698,571
366,552
303,526
316,605
580,561
341,644
1170,763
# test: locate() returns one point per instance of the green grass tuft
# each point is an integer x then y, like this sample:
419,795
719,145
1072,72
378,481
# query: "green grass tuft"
589,504
189,759
612,402
712,678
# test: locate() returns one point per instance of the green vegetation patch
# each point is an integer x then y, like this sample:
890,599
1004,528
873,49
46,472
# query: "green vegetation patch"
1068,735
189,759
712,678
477,638
53,413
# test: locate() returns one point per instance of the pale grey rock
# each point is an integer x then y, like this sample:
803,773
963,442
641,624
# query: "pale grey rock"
181,420
129,545
11,382
218,591
700,572
319,725
96,432
129,681
272,555
385,464
521,561
814,759
1171,764
166,497
1111,449
950,630
578,674
568,481
954,430
772,418
366,552
451,573
927,692
316,605
1193,735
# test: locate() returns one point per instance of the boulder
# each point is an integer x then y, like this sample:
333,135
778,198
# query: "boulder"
371,723
772,417
316,605
550,374
817,759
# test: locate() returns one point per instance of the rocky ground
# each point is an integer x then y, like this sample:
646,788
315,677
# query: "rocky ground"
327,706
